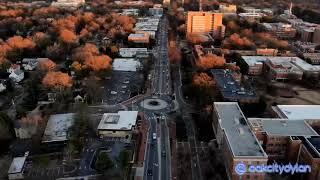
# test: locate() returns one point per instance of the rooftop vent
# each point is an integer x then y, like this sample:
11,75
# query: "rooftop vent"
241,131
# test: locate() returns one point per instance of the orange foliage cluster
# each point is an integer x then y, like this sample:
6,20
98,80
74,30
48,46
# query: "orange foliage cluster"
237,42
202,79
11,13
18,42
69,23
87,51
197,38
174,54
88,57
45,11
249,40
126,22
97,63
68,37
271,41
47,65
57,80
211,61
12,44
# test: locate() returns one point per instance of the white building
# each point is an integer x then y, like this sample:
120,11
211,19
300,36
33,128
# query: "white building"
156,11
68,3
17,75
118,125
127,12
3,87
17,167
132,52
29,64
57,128
126,64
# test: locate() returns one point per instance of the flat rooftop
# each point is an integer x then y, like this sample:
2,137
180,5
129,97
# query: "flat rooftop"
282,127
123,120
292,112
57,127
138,35
17,165
286,61
125,64
230,89
315,141
240,137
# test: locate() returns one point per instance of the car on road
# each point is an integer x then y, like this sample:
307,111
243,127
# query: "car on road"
163,153
149,172
113,92
154,136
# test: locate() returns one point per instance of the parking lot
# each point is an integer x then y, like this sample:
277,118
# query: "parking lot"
122,86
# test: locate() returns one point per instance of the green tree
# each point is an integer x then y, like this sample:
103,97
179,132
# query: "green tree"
103,162
6,127
124,158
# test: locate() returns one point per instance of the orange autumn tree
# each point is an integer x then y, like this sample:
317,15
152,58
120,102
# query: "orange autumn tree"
211,61
97,63
68,36
18,42
47,65
197,38
57,80
174,54
203,80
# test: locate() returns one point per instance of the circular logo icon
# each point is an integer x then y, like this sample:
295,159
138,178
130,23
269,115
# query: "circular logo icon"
240,168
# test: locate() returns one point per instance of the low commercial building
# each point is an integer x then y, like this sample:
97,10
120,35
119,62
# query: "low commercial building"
251,17
126,64
148,24
130,12
118,125
132,52
306,112
279,67
236,140
231,90
227,8
57,128
156,11
314,58
17,167
274,134
68,3
142,37
281,30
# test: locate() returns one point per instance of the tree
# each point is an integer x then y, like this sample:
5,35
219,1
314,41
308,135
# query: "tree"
6,127
202,79
81,54
57,80
98,63
124,158
174,54
93,90
103,162
18,42
47,65
211,61
197,38
79,128
42,40
237,42
68,37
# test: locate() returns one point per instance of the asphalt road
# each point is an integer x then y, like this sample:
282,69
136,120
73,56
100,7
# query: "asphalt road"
158,152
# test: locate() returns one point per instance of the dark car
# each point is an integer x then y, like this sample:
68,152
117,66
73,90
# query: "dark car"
149,172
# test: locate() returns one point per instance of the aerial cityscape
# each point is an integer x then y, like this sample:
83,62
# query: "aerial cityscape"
160,90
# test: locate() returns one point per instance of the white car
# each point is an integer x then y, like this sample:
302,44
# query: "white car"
113,92
154,136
